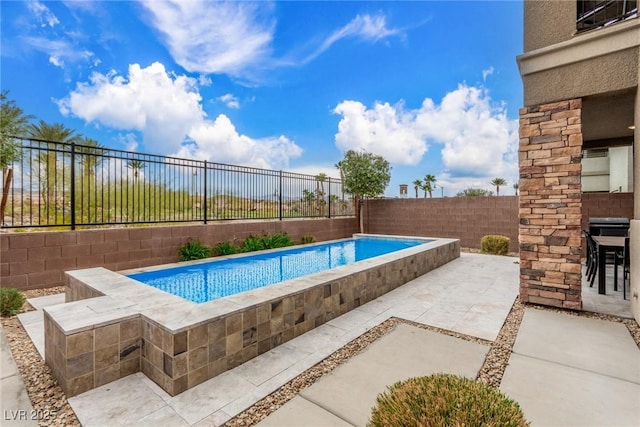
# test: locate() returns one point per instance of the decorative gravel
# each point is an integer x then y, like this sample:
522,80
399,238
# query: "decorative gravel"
48,398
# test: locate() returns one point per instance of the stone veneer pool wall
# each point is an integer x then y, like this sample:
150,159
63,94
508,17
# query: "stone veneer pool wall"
113,326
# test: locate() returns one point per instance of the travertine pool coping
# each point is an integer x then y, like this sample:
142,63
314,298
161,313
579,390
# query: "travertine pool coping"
112,325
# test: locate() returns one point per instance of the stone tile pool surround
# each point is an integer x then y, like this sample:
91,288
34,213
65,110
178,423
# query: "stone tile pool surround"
112,326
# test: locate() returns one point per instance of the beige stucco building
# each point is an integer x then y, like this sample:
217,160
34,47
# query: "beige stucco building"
580,75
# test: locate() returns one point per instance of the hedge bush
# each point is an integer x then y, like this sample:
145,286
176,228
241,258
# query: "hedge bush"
11,301
495,244
445,400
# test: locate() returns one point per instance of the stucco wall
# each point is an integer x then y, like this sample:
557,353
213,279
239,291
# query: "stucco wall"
548,22
608,73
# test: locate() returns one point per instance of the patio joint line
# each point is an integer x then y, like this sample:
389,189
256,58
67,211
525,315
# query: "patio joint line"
326,409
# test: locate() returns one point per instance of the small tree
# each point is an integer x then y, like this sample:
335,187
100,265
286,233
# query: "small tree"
474,192
498,182
365,175
516,186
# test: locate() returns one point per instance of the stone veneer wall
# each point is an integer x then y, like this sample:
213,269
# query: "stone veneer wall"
95,357
106,350
551,204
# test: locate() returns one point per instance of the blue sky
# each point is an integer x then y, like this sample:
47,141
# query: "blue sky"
431,86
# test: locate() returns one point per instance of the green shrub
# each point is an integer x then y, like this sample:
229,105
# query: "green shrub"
259,243
444,400
225,248
495,244
277,240
253,243
193,249
11,301
307,238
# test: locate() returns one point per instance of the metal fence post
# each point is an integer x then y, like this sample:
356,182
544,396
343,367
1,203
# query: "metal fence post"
73,186
204,196
329,201
280,195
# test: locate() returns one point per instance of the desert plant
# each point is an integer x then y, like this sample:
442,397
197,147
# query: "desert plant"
444,400
193,249
277,240
225,248
259,243
307,238
11,301
495,244
252,244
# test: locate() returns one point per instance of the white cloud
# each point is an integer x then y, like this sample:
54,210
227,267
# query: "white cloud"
219,141
59,51
486,73
214,37
167,110
385,130
43,14
309,169
478,139
365,27
230,101
162,106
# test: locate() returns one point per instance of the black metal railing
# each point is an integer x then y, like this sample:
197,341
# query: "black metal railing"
598,13
57,184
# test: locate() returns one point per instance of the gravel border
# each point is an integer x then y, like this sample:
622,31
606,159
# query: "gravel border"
44,392
47,397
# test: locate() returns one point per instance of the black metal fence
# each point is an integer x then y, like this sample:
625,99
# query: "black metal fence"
57,184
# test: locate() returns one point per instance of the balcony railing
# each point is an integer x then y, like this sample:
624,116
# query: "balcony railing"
56,184
596,14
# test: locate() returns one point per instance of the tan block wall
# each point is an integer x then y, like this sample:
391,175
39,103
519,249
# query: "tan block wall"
37,260
464,218
551,204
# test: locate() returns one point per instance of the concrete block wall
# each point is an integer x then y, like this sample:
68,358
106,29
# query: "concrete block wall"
551,204
602,205
464,218
35,260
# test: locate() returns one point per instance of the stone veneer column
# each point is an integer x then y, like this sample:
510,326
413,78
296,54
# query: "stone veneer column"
551,204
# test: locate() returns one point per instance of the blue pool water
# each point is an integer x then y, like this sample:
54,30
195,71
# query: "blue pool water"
216,279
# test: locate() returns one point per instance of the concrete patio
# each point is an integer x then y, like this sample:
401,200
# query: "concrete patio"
572,358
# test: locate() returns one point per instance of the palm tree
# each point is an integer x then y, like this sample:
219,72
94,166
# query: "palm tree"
516,186
13,122
90,152
49,157
417,185
320,179
498,182
135,166
429,184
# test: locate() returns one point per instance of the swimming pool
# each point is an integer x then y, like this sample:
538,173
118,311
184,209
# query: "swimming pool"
215,279
179,344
